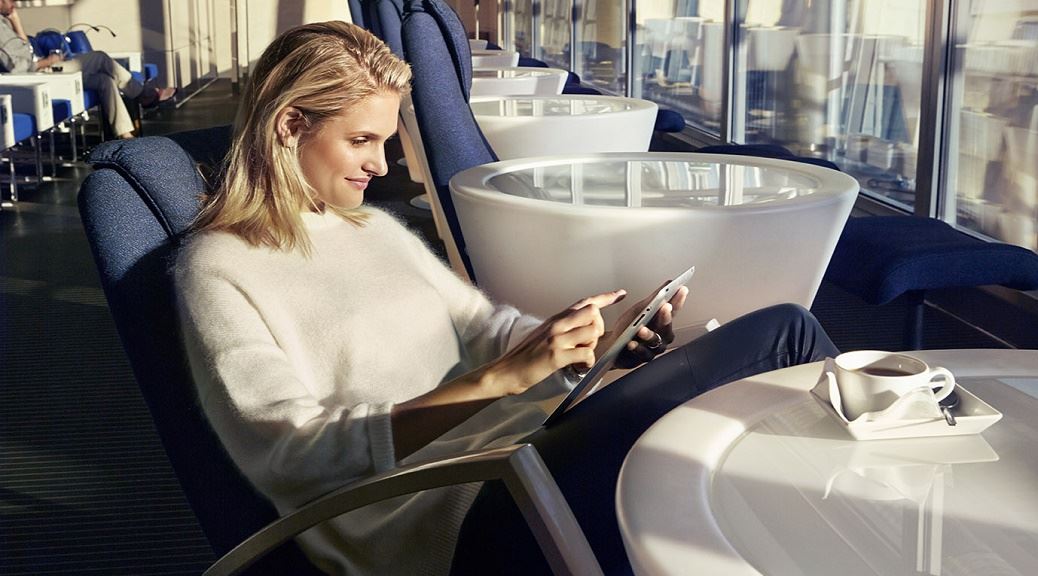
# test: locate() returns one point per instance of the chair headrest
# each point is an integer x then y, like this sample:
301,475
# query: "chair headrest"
388,19
163,174
453,35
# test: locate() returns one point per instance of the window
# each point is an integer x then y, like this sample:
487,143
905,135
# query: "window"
992,161
601,60
835,79
679,58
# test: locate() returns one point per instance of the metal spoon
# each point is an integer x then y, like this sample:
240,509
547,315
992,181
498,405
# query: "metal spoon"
947,404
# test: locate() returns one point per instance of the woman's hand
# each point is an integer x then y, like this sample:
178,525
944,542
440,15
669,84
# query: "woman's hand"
653,338
566,339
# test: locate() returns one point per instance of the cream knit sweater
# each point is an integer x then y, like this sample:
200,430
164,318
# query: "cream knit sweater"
298,362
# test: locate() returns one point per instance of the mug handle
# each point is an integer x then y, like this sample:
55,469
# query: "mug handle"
949,382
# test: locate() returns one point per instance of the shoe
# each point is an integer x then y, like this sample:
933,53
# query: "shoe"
152,97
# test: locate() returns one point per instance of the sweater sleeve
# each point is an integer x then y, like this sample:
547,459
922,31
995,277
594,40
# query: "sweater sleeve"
15,55
283,439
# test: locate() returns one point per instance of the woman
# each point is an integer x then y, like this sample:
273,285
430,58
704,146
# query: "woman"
328,343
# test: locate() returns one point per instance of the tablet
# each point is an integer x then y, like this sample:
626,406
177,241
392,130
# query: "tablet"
586,386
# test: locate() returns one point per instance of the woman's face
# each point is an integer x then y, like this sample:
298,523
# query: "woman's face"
344,154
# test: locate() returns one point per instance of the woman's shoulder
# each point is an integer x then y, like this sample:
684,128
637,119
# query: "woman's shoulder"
212,251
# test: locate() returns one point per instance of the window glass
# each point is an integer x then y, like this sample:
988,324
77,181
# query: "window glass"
835,79
601,58
680,59
556,29
522,26
992,167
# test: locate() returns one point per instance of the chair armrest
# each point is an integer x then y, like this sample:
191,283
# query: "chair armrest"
520,467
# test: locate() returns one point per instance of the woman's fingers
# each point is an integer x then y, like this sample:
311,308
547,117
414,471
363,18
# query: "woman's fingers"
601,300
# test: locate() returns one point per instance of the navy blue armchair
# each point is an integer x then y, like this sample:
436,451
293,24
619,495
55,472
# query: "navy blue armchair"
136,208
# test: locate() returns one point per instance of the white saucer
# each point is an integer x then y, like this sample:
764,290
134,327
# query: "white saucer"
972,416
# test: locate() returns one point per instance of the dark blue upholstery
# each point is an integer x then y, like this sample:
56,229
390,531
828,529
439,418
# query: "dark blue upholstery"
669,121
881,257
47,40
90,99
62,109
78,41
135,207
388,18
357,14
766,151
437,49
24,126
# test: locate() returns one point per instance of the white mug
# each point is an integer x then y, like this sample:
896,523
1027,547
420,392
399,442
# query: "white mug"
870,380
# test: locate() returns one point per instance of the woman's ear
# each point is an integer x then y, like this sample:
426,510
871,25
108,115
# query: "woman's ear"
289,125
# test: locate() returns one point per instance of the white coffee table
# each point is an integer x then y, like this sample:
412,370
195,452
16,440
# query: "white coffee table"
543,232
517,81
523,126
755,478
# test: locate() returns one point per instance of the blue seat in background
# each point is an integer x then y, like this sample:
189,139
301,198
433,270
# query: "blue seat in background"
880,258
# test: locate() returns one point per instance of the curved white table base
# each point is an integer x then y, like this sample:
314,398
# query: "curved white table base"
664,488
594,124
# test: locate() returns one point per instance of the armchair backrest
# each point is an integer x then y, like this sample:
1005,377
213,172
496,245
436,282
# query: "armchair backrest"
51,39
436,47
387,21
78,42
136,206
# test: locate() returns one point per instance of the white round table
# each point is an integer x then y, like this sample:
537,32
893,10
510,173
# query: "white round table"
756,478
543,232
490,58
523,126
517,81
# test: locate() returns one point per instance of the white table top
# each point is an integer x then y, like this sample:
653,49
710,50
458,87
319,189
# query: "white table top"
655,180
513,72
755,478
540,106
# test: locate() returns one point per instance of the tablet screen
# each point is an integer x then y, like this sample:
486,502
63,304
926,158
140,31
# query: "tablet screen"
586,386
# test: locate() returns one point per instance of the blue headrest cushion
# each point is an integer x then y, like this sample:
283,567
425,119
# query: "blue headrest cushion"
454,35
881,257
78,42
161,172
389,19
669,121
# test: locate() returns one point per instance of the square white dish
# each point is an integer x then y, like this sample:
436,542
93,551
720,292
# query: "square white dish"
972,416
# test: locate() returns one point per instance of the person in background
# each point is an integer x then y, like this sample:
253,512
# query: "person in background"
327,342
100,72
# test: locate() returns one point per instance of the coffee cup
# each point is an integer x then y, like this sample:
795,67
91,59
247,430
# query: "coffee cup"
871,380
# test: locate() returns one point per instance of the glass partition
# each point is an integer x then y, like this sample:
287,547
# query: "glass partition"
836,79
521,19
556,30
679,58
992,170
601,60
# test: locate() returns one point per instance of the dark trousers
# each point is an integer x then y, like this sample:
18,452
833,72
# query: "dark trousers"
585,449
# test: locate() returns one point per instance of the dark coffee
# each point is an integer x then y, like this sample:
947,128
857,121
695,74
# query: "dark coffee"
880,371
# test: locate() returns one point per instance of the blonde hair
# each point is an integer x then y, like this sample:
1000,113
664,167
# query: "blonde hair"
322,70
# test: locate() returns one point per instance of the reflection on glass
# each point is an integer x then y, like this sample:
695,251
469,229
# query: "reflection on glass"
993,168
601,58
837,79
828,504
655,184
555,30
680,60
522,26
549,106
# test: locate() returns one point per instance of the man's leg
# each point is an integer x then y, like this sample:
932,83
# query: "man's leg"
586,448
99,63
116,114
